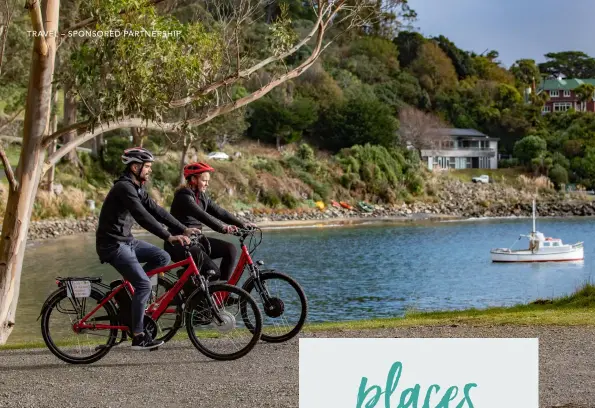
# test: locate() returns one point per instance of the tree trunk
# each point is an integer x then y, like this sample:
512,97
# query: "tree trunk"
138,136
20,202
70,119
52,146
97,144
94,148
183,159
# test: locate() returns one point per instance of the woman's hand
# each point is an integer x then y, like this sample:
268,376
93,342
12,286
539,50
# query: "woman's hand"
182,239
190,231
230,229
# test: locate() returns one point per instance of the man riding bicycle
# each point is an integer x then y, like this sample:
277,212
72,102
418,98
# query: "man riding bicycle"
128,201
192,207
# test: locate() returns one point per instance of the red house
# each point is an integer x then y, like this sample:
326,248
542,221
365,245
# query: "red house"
563,97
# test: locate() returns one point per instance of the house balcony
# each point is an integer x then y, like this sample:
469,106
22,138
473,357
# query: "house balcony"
460,152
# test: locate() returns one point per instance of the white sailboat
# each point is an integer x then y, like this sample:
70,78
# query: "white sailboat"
541,249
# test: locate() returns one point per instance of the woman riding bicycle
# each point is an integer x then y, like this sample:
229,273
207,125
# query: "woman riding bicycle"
193,208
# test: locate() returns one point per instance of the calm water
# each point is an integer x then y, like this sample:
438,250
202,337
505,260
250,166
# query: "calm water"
360,272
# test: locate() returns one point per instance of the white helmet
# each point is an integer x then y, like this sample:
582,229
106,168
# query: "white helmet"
137,155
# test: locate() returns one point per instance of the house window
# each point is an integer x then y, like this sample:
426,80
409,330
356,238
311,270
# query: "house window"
554,94
546,108
562,106
567,94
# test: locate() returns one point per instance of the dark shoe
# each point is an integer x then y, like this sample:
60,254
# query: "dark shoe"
144,342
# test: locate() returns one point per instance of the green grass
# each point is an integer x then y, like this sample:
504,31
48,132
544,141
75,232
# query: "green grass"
577,309
497,175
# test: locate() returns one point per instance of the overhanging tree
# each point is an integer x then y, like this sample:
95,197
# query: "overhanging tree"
144,81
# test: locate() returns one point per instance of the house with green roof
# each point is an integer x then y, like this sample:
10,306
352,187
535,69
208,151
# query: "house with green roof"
563,97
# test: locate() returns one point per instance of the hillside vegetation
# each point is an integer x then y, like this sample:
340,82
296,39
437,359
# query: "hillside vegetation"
336,132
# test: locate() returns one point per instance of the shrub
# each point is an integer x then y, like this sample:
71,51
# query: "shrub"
270,199
305,152
289,200
558,175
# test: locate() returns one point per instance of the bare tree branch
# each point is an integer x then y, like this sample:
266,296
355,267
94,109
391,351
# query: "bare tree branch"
13,183
247,72
126,122
77,126
267,88
420,129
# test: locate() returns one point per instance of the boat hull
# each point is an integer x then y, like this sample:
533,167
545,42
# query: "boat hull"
502,255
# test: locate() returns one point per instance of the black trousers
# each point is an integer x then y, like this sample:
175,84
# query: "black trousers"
204,260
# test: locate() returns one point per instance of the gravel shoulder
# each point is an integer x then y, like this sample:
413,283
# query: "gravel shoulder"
266,377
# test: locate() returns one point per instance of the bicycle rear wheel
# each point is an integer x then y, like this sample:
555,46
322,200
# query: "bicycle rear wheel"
211,336
283,303
89,345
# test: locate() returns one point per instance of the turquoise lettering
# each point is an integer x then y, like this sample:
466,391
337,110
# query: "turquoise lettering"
427,400
368,397
447,397
392,381
467,398
413,394
363,393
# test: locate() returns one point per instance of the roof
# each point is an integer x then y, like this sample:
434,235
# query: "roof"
564,84
464,133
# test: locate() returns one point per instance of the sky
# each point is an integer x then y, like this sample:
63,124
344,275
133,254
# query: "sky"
515,28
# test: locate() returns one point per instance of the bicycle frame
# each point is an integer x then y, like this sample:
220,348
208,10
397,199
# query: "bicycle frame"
156,309
245,259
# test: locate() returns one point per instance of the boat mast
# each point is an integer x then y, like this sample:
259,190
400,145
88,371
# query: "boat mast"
533,217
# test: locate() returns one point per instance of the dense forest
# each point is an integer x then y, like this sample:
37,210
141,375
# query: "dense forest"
379,85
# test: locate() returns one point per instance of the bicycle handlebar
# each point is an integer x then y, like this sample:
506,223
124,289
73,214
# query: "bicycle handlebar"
243,232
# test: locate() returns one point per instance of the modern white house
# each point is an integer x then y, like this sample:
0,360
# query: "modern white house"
461,149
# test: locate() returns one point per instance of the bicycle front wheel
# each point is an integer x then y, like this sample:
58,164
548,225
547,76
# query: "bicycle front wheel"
283,303
216,328
87,346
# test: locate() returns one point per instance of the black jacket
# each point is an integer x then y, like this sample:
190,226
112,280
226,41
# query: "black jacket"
124,203
194,210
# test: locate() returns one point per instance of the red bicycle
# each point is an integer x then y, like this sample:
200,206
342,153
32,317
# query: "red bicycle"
283,303
210,314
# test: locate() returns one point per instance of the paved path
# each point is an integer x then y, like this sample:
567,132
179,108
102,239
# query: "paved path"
267,377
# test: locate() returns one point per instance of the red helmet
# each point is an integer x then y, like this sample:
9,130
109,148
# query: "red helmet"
196,168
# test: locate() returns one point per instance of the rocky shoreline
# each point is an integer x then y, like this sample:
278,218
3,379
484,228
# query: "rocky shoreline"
448,198
46,229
